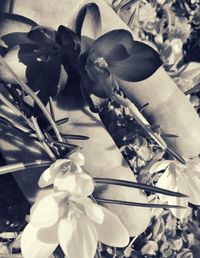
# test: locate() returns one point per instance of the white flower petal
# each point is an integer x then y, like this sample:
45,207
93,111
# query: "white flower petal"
179,213
45,212
49,175
93,210
75,184
193,168
78,158
112,231
159,166
77,237
34,246
193,184
173,181
167,181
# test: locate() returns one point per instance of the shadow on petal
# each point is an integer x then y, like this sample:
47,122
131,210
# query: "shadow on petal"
16,38
112,231
33,247
104,44
141,64
78,237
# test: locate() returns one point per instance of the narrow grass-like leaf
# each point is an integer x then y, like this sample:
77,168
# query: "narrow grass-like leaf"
176,155
73,150
65,144
23,166
51,108
15,125
137,204
193,89
58,122
169,135
11,256
149,188
75,136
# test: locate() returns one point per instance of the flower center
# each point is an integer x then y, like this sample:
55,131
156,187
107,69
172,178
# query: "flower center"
100,64
75,210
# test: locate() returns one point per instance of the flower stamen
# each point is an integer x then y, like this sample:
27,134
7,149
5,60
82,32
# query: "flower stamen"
100,64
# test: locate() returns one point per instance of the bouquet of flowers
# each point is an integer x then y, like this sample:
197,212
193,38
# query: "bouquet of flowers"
70,73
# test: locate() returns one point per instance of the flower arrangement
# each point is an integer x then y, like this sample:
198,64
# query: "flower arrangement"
80,208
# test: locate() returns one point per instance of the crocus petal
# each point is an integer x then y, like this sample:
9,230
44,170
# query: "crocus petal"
92,210
43,67
112,232
172,184
141,64
45,212
101,80
34,247
70,44
10,23
167,181
77,237
12,60
117,53
42,35
159,166
88,25
172,180
16,38
79,184
78,158
49,175
179,213
104,44
193,168
193,184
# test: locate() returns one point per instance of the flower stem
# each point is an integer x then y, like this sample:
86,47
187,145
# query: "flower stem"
28,90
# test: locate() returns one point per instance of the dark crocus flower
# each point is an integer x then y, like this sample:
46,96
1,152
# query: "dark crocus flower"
116,56
42,58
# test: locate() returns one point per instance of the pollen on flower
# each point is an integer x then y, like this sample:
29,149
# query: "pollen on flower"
100,64
66,167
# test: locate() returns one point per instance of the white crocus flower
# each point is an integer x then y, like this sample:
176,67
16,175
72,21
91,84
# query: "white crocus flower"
60,167
68,217
181,178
